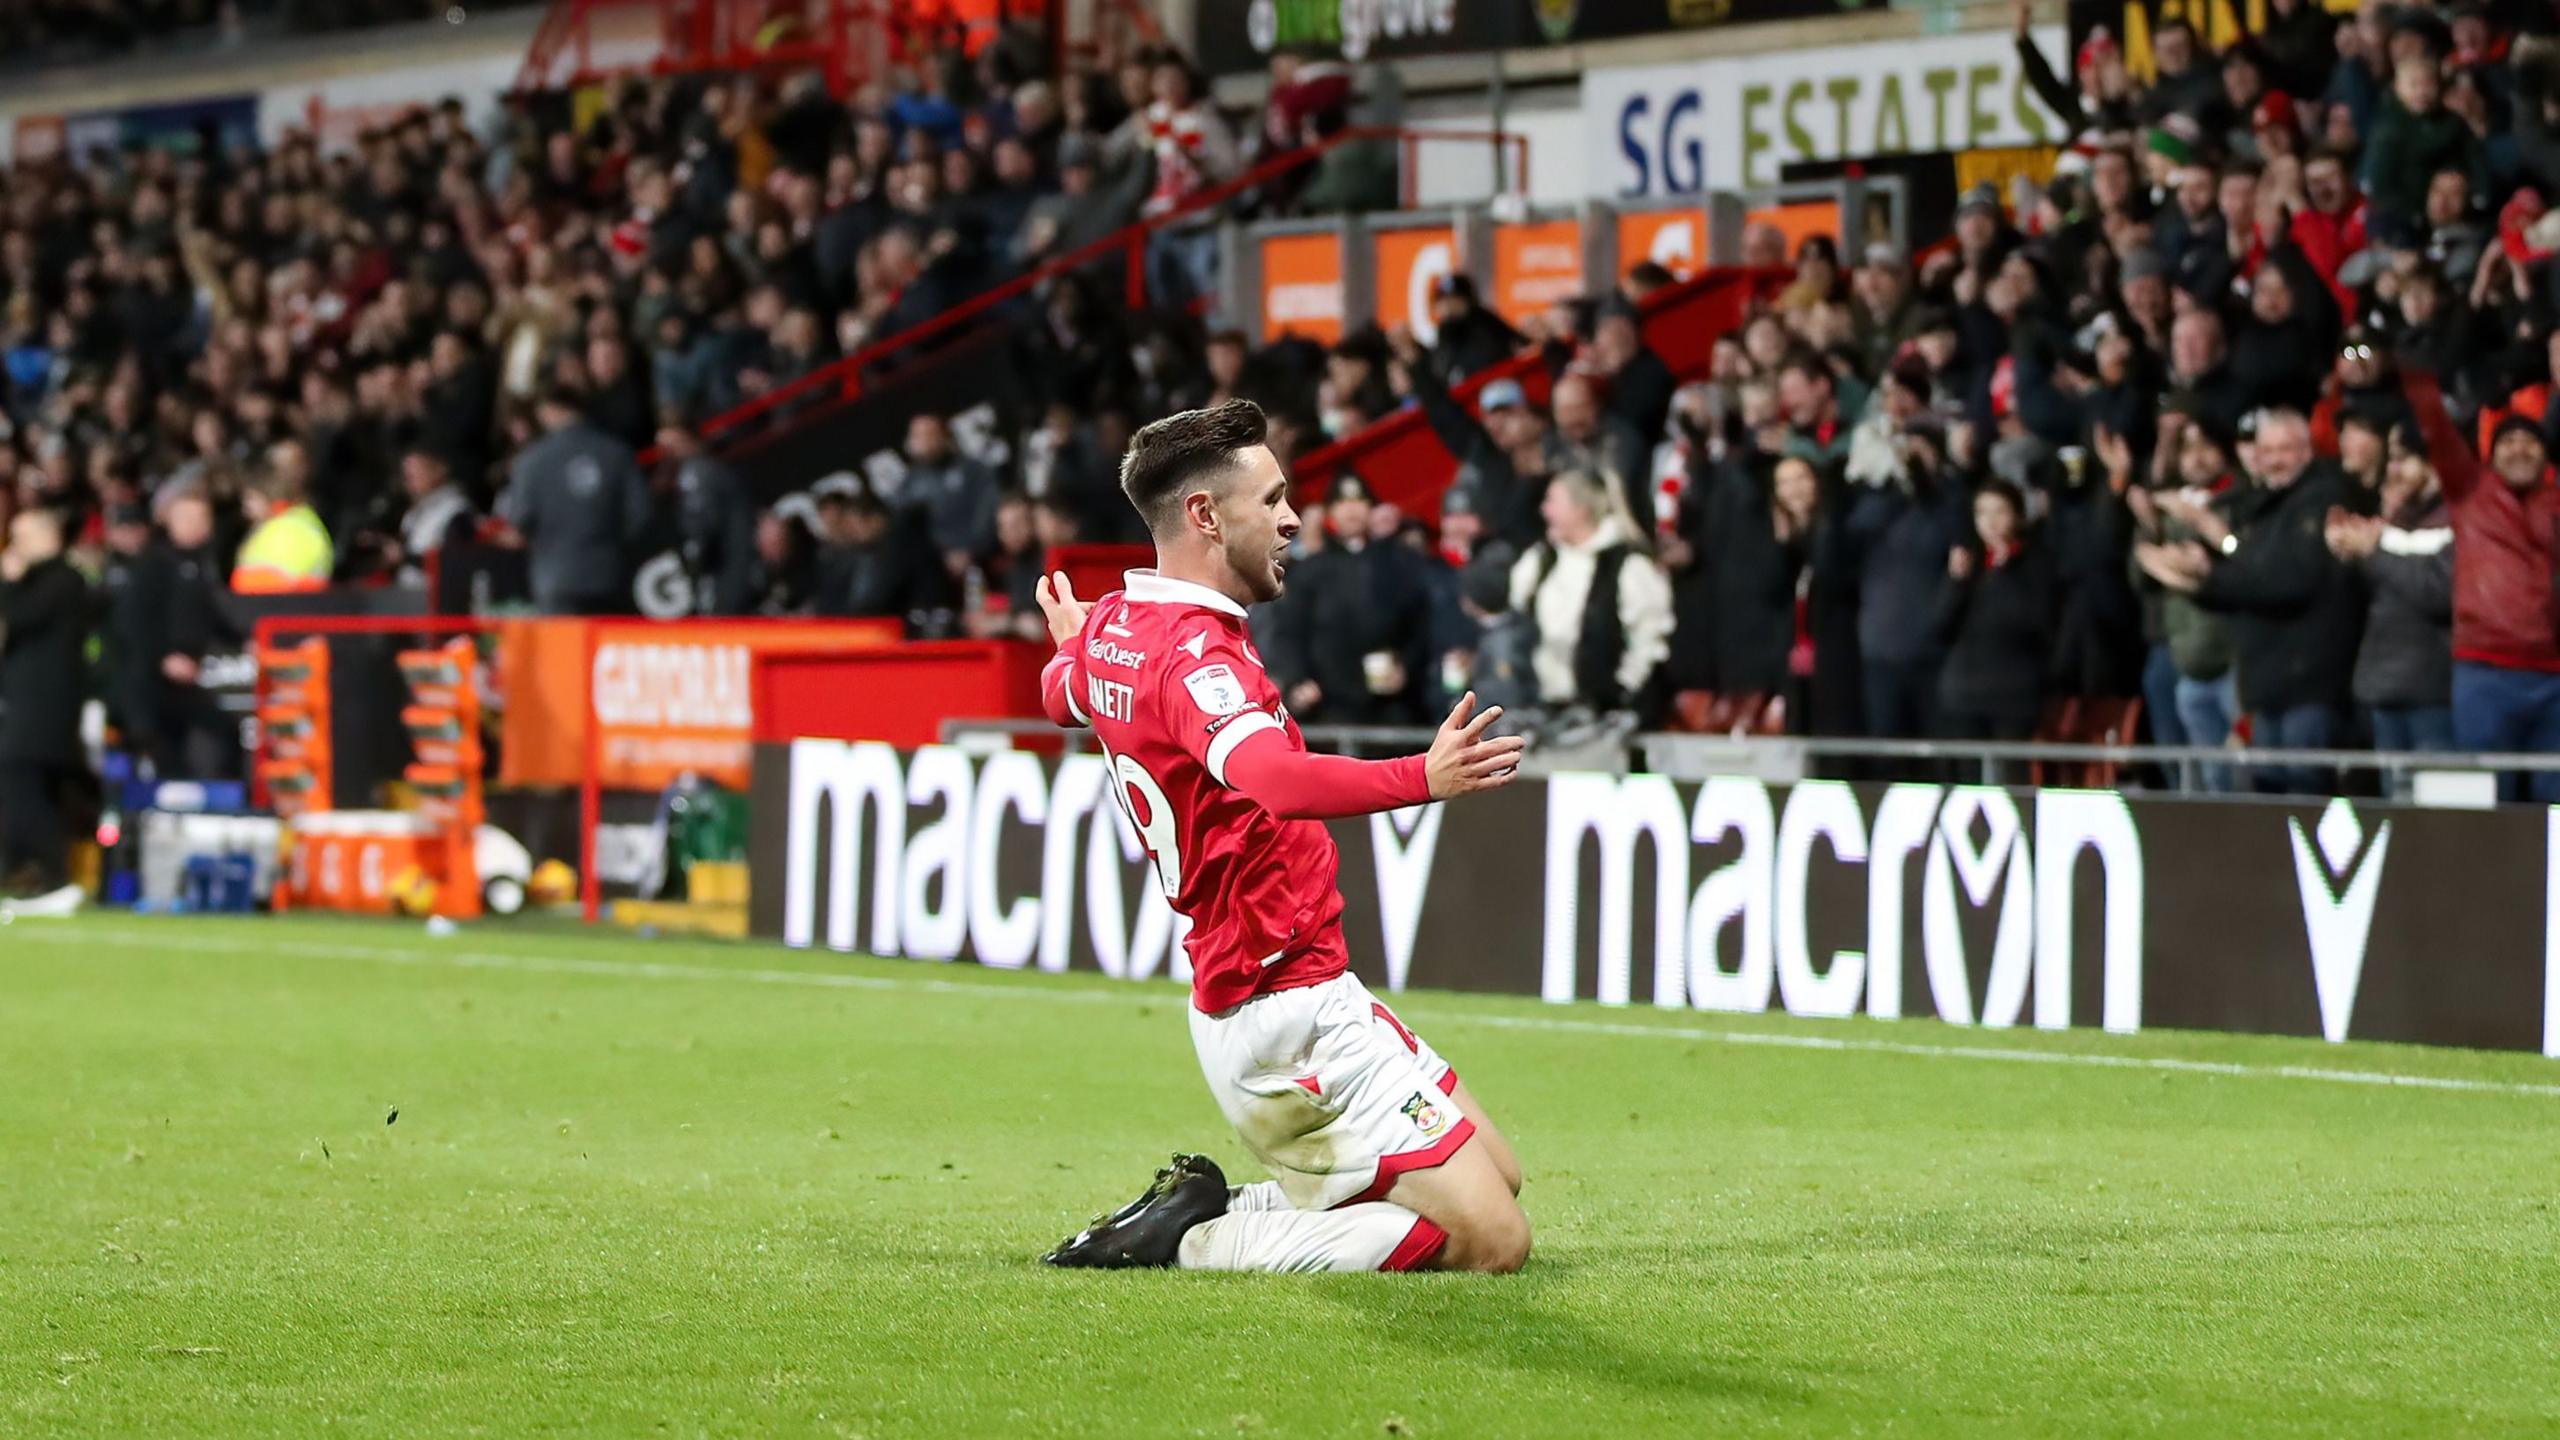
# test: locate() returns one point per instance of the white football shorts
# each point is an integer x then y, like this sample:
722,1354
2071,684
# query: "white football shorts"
1330,1091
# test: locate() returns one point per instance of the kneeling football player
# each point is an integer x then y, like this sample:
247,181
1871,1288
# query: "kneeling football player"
1382,1159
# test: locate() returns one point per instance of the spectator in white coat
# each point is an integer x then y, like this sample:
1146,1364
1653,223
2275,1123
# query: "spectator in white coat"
1600,603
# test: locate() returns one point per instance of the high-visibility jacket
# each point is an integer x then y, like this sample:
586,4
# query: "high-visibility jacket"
289,551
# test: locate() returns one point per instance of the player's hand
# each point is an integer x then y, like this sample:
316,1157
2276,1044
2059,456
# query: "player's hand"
1462,760
1057,597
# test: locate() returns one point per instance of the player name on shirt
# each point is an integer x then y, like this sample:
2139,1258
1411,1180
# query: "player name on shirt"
1111,699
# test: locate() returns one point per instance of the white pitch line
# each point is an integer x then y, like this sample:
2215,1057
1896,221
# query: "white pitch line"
1557,1024
2036,1057
561,964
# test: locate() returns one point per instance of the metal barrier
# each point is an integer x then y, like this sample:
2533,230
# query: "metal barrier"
2187,767
1690,756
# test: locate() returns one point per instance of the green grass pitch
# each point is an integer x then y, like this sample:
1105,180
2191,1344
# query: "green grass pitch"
672,1188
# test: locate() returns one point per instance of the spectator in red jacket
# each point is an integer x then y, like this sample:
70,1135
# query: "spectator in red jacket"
2506,648
2328,216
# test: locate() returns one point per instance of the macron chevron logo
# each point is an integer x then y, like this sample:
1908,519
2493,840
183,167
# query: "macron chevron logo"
2338,890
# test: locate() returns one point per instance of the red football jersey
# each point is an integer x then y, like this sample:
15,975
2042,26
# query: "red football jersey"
1166,675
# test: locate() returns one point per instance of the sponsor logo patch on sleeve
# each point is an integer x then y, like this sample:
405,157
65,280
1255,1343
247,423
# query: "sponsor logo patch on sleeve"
1216,690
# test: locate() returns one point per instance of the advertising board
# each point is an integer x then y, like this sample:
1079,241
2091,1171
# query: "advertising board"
1735,123
1241,35
1974,905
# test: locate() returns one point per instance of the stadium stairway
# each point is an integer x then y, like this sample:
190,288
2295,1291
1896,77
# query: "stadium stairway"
845,379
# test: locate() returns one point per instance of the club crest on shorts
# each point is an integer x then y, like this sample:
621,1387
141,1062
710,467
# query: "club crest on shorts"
1426,1117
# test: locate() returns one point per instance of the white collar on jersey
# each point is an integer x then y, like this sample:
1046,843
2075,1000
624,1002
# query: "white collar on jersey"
1147,586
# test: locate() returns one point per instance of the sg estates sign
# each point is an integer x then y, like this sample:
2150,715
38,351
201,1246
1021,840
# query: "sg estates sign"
1735,123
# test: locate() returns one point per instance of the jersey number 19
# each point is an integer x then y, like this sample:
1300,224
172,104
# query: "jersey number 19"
1142,800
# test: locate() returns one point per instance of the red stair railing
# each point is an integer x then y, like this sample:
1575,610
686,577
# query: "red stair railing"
845,375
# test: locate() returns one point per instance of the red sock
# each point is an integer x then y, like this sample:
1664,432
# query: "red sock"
1418,1246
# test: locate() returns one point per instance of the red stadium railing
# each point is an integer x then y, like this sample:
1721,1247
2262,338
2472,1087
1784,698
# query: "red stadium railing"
850,41
847,40
845,375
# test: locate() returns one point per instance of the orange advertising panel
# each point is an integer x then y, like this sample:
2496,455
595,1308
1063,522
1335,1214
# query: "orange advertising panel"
36,137
1800,219
1535,265
347,860
1407,264
667,697
1302,287
1675,239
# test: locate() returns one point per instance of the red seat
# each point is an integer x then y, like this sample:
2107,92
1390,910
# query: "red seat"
1690,709
2108,720
2097,720
2054,727
1737,714
1705,712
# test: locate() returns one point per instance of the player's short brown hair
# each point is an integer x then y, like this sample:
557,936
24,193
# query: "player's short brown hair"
1169,457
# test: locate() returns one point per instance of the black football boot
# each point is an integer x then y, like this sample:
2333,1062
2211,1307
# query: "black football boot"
1148,1231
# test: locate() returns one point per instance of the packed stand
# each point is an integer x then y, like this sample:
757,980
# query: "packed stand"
282,371
2324,252
1535,583
2244,413
448,325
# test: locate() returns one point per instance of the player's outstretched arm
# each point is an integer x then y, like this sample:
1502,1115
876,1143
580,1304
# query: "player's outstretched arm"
1296,785
1065,614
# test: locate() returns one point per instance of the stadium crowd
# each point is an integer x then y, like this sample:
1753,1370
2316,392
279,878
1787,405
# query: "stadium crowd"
272,370
2243,413
372,336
